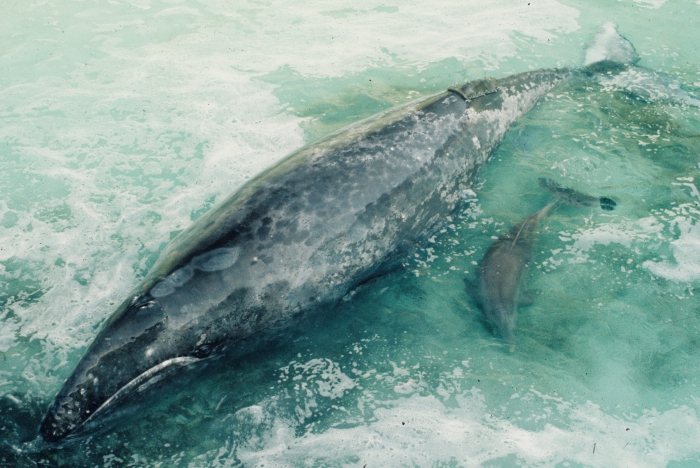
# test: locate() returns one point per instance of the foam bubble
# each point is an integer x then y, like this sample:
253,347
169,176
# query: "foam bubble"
330,381
686,252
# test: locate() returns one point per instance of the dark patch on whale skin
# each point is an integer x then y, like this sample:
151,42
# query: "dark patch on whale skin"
301,235
608,204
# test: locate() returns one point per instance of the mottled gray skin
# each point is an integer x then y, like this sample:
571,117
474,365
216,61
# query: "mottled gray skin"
297,238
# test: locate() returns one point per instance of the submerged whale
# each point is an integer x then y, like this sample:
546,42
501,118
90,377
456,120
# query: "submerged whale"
501,273
300,236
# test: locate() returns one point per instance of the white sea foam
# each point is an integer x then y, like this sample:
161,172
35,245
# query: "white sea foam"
194,142
330,381
650,85
345,38
686,248
622,232
422,431
650,233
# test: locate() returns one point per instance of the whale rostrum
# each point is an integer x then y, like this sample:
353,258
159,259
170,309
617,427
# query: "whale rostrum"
297,238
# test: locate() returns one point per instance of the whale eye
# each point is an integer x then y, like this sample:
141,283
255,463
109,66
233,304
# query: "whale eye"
141,302
203,351
146,305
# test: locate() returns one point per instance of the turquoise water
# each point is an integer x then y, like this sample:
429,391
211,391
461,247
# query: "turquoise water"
124,121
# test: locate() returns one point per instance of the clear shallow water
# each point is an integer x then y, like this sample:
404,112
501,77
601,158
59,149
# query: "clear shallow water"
123,123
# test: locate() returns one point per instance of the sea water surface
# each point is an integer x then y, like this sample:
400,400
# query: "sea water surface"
123,121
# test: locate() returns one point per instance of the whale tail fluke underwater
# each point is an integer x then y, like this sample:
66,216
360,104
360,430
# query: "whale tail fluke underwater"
572,197
609,59
298,237
502,273
609,46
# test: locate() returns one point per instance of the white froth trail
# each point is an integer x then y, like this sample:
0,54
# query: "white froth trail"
684,220
332,38
421,431
680,223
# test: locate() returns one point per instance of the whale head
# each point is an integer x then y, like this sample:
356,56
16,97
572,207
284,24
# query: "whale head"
133,352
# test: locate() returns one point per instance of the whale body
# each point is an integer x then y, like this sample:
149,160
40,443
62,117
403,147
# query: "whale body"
297,238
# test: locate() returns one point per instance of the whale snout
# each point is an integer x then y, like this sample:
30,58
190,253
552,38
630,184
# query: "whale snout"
83,403
133,353
63,417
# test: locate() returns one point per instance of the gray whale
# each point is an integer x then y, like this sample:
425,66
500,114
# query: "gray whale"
297,238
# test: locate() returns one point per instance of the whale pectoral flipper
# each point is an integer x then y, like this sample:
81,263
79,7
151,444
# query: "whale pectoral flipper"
573,197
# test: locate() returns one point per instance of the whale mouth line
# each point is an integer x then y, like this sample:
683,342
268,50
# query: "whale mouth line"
143,381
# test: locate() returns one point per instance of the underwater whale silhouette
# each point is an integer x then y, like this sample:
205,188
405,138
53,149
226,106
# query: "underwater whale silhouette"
501,273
